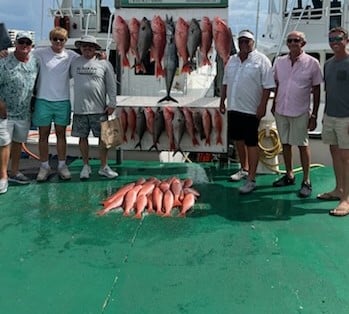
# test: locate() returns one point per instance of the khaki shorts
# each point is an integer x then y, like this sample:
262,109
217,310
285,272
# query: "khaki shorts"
293,130
335,131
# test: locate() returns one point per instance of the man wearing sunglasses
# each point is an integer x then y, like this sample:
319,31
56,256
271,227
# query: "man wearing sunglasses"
297,76
247,81
335,129
94,101
18,72
52,103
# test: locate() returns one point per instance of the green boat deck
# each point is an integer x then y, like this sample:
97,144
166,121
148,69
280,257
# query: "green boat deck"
267,252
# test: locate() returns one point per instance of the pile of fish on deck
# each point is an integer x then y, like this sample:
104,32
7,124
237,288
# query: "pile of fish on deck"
176,121
153,196
168,41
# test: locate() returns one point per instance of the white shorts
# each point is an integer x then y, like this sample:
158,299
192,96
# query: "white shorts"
5,137
18,130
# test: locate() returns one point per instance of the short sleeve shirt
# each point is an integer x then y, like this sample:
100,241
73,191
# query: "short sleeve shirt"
295,84
54,80
336,74
246,81
17,80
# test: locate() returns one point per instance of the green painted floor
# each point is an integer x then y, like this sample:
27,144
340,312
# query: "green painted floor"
268,252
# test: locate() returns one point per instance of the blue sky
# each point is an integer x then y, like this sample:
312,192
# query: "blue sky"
34,15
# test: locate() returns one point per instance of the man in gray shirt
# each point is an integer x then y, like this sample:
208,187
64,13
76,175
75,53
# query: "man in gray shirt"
335,127
94,100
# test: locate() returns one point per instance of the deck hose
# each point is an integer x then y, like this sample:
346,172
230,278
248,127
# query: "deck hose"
272,151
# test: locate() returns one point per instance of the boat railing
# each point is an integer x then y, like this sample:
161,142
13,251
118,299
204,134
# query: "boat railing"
61,12
307,14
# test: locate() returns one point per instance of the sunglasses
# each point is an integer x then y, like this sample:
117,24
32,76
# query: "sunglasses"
56,39
244,41
335,39
24,42
294,40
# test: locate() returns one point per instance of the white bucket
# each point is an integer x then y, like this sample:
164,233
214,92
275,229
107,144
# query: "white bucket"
268,139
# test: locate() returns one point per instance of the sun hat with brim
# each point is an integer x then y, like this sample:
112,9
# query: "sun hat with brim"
246,34
87,40
24,35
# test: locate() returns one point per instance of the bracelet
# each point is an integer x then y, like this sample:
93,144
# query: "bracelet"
313,116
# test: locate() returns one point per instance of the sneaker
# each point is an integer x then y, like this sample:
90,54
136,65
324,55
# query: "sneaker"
241,174
64,173
19,178
85,172
283,181
43,174
3,186
107,172
305,190
248,187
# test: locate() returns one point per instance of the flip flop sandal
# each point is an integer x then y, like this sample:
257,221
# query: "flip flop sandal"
339,212
327,197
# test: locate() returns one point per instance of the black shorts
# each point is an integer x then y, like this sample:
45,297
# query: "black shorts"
243,127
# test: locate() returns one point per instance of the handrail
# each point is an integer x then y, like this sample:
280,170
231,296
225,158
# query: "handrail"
109,37
284,32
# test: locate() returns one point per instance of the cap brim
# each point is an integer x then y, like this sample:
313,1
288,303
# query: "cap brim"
79,43
31,42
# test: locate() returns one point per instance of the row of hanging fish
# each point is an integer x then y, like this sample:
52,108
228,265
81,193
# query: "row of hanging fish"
199,124
152,195
168,41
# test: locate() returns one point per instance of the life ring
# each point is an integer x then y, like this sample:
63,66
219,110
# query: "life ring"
62,22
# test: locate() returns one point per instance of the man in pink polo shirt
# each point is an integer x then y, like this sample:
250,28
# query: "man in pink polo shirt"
297,76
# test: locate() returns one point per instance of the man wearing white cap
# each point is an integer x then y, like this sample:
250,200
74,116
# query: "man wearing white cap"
94,100
247,81
18,72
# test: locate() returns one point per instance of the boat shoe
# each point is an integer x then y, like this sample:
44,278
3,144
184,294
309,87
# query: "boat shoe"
284,181
248,187
305,190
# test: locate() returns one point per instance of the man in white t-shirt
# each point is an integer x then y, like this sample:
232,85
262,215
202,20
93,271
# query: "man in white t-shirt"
52,103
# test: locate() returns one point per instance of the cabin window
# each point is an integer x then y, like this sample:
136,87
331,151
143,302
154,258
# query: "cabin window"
335,13
329,55
315,55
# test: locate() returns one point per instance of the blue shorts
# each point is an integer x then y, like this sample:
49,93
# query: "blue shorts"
46,112
84,123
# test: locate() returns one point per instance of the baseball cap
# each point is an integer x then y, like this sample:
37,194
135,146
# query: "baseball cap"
22,35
